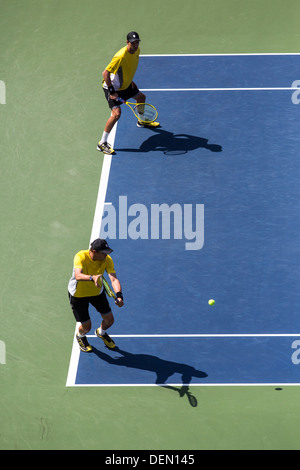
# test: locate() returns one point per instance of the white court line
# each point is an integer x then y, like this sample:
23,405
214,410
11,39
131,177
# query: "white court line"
75,354
223,89
217,335
245,54
169,384
75,358
103,188
73,366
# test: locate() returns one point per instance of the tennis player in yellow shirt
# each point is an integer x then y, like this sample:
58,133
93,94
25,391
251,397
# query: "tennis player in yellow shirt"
118,82
85,288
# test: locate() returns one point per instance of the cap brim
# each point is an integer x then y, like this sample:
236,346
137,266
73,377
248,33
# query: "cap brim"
107,251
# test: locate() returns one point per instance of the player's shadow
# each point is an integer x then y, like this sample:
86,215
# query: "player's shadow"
162,368
173,144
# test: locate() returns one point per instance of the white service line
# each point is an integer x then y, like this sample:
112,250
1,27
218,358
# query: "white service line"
170,384
245,54
222,89
217,335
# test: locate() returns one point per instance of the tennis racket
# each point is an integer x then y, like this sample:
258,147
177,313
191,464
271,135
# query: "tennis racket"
108,290
144,112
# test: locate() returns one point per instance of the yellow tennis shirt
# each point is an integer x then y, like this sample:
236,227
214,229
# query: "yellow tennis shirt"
83,261
122,68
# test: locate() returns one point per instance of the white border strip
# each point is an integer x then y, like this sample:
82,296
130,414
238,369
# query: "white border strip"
193,385
73,366
75,354
221,335
224,55
102,188
223,89
73,370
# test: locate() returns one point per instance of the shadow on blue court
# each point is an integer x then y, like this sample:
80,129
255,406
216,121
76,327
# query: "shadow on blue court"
163,369
186,361
172,144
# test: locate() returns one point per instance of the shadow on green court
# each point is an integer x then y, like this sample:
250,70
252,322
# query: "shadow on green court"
162,368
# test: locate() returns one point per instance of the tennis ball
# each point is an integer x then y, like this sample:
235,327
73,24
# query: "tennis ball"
211,302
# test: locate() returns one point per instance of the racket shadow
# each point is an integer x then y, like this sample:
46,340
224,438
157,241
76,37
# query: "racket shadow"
162,368
173,144
184,391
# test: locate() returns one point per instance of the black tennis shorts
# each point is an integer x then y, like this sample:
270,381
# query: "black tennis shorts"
80,306
130,92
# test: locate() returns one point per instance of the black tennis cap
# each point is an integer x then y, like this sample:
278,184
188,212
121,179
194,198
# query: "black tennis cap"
133,36
101,245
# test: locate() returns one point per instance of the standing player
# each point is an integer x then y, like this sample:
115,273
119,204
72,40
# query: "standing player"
118,82
85,287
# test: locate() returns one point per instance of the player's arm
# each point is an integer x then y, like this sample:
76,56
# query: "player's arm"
80,276
116,285
106,76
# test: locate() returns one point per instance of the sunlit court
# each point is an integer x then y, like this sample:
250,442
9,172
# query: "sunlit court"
196,191
204,207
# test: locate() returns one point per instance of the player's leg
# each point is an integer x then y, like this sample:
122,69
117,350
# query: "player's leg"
80,309
103,145
101,304
84,328
101,332
114,117
141,98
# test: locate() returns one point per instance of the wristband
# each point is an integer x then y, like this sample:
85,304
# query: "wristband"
91,278
111,90
119,295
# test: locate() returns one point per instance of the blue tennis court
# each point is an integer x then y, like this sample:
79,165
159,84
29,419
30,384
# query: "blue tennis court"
206,206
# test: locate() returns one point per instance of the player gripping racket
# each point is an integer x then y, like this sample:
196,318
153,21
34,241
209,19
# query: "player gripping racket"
117,297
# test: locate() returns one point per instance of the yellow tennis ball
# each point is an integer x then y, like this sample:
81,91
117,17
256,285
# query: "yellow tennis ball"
211,302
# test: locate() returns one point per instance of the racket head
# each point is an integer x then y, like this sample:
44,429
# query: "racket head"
107,288
145,112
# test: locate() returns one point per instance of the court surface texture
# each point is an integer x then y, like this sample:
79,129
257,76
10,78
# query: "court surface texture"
204,207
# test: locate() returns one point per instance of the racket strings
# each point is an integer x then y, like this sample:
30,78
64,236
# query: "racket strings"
145,112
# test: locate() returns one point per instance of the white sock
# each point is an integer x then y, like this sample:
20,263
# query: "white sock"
101,331
104,137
